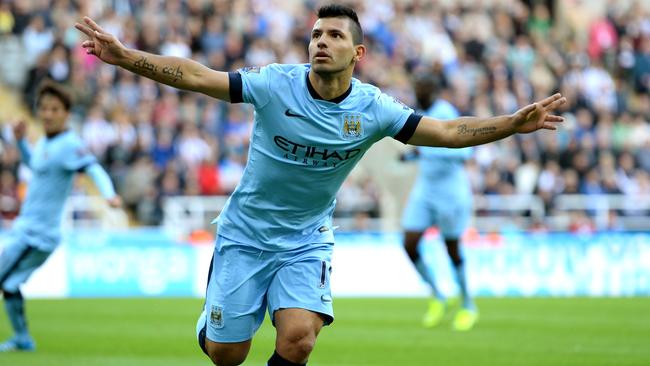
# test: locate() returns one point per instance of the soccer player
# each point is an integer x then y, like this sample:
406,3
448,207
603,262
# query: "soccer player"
54,162
313,122
442,197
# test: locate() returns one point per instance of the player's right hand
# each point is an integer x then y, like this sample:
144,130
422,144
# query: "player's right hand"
115,201
100,43
538,115
20,130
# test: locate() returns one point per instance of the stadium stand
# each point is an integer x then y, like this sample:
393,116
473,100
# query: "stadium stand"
163,147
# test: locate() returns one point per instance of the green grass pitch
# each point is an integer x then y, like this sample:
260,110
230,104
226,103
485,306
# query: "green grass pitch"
367,332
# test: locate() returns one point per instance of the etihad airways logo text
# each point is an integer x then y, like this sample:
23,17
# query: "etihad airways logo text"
313,155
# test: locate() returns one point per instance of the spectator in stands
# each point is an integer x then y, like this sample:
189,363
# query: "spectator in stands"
37,38
6,18
642,66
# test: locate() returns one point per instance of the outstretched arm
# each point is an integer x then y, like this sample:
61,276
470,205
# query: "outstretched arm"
470,131
20,130
103,183
178,72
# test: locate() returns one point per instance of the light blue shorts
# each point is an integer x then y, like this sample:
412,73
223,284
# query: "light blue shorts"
451,216
18,261
244,282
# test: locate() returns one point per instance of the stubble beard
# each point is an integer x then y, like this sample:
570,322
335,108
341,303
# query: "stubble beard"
326,72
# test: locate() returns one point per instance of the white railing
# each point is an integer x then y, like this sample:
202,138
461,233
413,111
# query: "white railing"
491,212
183,214
496,212
92,212
635,208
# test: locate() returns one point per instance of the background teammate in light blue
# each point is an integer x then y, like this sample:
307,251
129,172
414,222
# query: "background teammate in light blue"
312,125
54,162
441,197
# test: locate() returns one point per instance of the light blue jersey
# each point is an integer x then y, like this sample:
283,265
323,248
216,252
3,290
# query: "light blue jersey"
441,195
302,149
443,169
54,163
274,245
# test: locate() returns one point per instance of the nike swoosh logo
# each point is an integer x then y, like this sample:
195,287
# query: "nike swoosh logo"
288,113
326,298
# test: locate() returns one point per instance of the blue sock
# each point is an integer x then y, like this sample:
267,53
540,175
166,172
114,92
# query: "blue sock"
15,307
427,275
459,271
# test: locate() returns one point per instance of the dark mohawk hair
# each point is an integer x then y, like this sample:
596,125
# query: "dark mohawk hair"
342,11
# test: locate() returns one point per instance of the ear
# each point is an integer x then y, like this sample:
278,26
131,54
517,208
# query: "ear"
360,51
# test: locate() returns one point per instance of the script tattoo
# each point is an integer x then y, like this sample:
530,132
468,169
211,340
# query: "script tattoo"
175,73
145,65
464,130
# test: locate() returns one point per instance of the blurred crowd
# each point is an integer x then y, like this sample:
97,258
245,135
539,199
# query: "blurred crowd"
496,56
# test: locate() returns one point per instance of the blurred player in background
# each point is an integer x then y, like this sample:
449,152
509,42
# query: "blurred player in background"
313,123
54,162
440,197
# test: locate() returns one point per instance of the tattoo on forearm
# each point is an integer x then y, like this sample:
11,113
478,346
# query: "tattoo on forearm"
144,65
464,130
175,73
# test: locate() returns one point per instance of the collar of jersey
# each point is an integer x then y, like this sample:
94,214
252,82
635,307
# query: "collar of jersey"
314,94
50,137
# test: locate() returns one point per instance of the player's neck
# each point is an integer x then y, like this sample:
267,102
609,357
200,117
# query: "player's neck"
331,86
53,134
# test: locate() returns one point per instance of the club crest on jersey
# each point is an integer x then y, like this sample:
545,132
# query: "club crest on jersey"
352,127
216,316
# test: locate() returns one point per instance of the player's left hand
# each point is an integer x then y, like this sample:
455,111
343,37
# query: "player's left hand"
537,115
20,130
115,201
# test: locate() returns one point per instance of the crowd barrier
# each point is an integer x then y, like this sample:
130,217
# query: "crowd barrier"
150,263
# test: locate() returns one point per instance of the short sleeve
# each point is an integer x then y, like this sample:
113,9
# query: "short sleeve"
254,85
77,157
396,118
